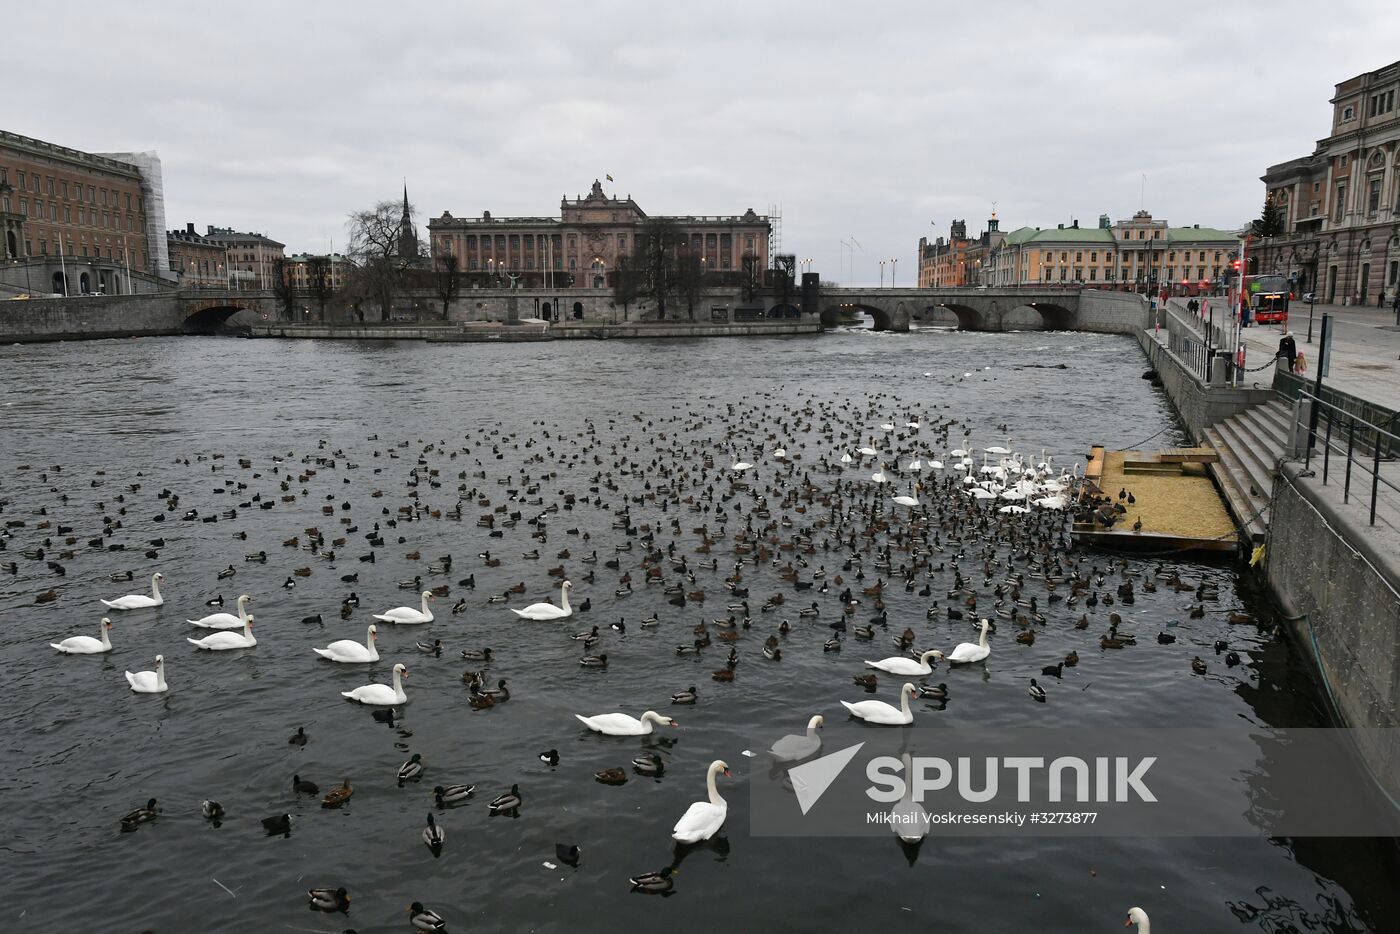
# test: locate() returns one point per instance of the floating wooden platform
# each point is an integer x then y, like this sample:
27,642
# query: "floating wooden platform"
1175,500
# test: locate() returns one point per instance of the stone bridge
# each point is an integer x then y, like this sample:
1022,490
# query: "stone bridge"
195,311
204,311
973,309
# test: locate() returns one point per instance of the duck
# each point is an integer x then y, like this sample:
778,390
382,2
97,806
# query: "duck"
612,776
723,675
548,611
1036,692
87,645
1198,666
549,757
407,615
149,682
967,653
594,661
225,640
425,919
381,694
139,601
412,770
433,835
329,899
654,883
215,601
879,712
1071,659
350,652
213,811
506,803
908,667
224,620
433,648
142,815
302,787
338,795
1165,638
833,644
278,824
869,682
477,655
797,746
586,635
703,819
1055,671
649,763
620,724
688,696
937,692
452,794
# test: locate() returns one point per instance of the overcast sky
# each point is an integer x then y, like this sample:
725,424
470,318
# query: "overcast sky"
877,122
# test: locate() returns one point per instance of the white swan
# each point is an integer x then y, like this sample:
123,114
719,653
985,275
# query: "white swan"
86,645
704,818
908,818
899,665
545,611
968,652
381,694
227,639
780,453
407,614
1139,917
149,682
224,620
875,711
797,746
846,458
998,449
911,500
739,466
879,476
136,601
619,724
351,652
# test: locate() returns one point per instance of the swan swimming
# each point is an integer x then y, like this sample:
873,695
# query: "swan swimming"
224,620
405,615
703,819
899,665
796,746
381,694
874,711
226,639
350,652
86,645
968,652
149,682
136,601
548,611
620,724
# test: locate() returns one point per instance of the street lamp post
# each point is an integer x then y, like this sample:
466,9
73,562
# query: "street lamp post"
894,265
882,274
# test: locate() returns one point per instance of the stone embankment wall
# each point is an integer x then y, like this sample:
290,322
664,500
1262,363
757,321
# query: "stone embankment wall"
86,318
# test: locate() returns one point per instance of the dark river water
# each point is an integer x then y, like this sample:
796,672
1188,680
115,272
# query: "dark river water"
619,426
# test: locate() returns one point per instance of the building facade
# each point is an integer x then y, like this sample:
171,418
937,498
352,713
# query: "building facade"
579,248
199,262
1140,252
960,260
299,269
77,222
1341,203
252,257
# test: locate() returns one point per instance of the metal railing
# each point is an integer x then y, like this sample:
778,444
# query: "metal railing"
1364,446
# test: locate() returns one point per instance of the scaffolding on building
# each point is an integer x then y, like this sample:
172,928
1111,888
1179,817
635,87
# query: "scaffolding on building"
775,238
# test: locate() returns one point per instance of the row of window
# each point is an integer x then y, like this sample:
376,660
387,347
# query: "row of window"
554,242
1076,274
1382,103
111,254
91,217
58,187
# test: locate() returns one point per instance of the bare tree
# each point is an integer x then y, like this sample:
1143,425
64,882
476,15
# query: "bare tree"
784,266
318,282
751,265
449,283
374,248
657,246
283,288
689,278
625,284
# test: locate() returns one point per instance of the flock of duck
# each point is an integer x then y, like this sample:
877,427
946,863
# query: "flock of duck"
978,535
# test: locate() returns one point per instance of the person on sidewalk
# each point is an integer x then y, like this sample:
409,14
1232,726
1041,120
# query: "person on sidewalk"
1288,350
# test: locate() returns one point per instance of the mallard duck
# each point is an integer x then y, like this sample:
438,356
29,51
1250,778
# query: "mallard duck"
688,696
723,675
1036,692
226,573
452,794
654,883
1165,638
934,692
212,810
613,776
549,757
648,763
329,899
433,835
868,682
412,770
425,919
506,803
433,648
477,655
139,816
1237,617
479,700
338,795
864,632
304,788
1071,659
1198,666
586,635
1108,641
500,693
278,823
594,661
1026,637
772,653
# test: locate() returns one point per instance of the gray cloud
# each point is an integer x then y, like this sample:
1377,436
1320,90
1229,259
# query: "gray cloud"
864,120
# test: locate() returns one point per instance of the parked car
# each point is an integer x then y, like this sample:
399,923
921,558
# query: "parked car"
1309,297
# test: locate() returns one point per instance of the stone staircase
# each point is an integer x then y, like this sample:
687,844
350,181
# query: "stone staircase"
1251,445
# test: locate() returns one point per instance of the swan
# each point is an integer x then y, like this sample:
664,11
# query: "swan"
967,652
879,476
381,694
351,652
1139,917
619,724
227,639
846,458
911,500
797,746
224,620
998,449
407,614
899,665
887,426
704,818
874,711
780,453
136,601
867,451
548,611
739,466
908,818
86,645
149,682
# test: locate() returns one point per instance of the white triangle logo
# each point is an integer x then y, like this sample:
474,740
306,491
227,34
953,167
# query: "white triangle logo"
811,779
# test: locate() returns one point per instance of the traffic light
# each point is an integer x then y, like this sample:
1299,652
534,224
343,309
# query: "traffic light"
1235,265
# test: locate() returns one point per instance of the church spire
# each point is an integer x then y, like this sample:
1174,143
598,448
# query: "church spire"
408,237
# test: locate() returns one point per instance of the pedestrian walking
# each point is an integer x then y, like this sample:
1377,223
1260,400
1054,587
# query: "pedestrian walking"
1193,306
1288,350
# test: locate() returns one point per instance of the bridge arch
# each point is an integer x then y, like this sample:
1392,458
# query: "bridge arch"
1054,317
831,316
210,319
969,318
